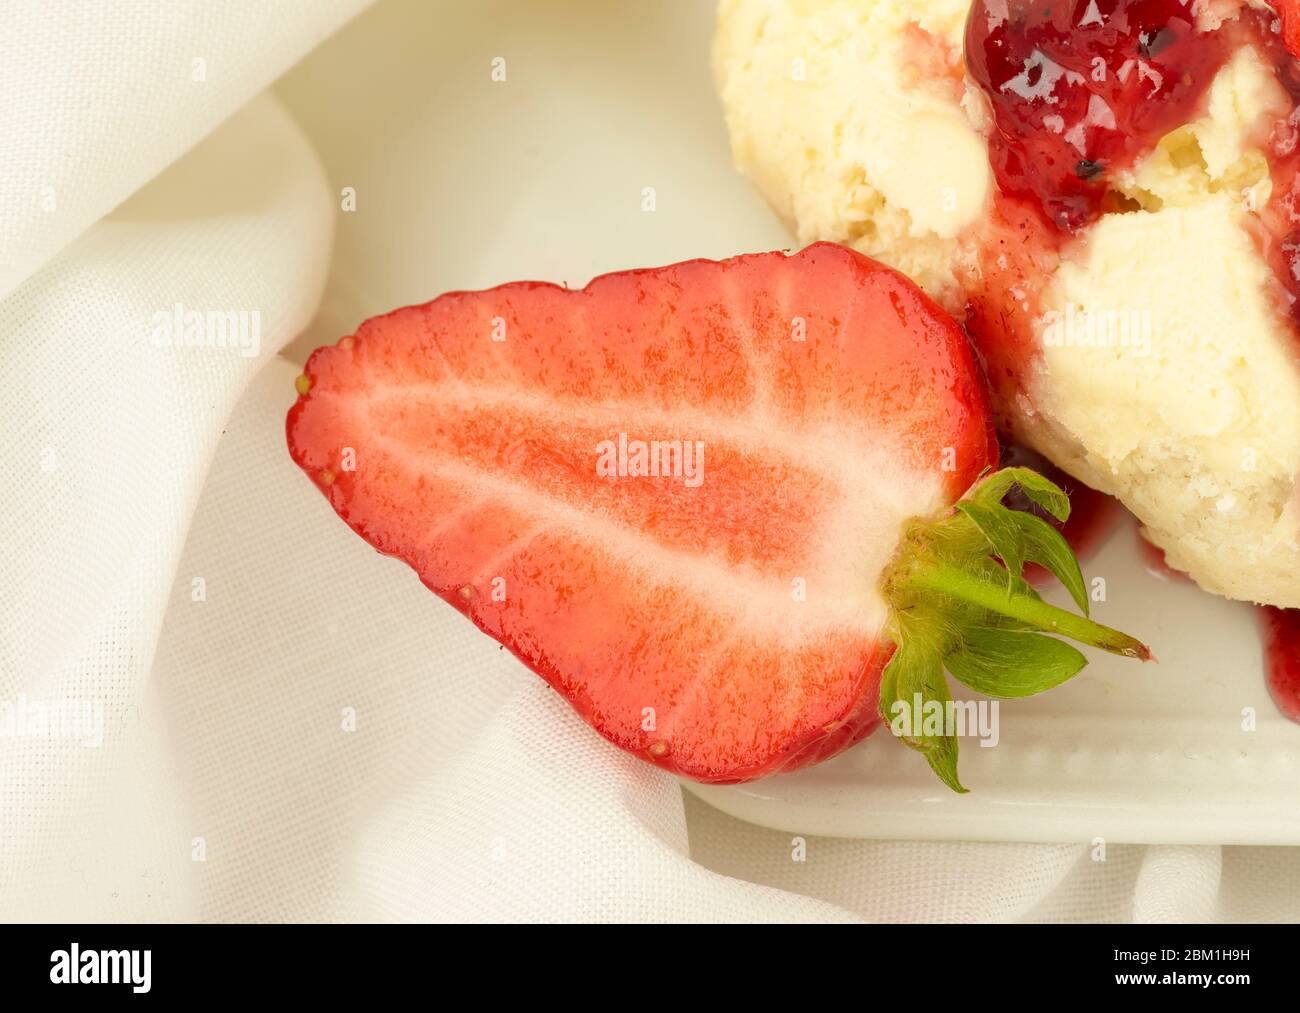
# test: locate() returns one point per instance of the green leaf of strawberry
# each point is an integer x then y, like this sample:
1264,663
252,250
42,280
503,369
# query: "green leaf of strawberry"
913,687
998,526
1038,489
960,602
1011,663
1045,545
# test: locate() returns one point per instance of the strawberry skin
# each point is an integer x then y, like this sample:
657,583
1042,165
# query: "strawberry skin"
725,628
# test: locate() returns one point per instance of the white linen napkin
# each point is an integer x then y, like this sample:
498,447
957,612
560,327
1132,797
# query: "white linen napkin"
269,720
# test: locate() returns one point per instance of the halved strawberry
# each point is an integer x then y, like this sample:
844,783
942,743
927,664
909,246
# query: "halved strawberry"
725,616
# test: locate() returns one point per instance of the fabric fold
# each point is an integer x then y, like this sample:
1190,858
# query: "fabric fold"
121,360
96,99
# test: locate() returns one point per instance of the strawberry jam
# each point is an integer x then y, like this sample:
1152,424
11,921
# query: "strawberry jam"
1081,88
1280,236
1079,91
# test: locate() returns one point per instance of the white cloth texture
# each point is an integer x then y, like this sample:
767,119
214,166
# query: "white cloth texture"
288,731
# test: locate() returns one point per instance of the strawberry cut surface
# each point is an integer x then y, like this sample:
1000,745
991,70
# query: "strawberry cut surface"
719,614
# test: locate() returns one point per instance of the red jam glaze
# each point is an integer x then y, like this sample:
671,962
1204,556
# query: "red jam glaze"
1068,116
1282,657
1093,514
1279,237
1011,257
1081,88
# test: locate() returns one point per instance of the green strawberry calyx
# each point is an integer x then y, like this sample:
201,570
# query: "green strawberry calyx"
959,602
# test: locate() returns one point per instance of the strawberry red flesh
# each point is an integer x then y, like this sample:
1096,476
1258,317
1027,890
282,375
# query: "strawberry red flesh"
1288,12
724,629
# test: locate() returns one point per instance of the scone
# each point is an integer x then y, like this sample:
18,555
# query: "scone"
1104,189
848,116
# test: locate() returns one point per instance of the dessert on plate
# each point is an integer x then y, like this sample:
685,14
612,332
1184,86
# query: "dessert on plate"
1106,191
